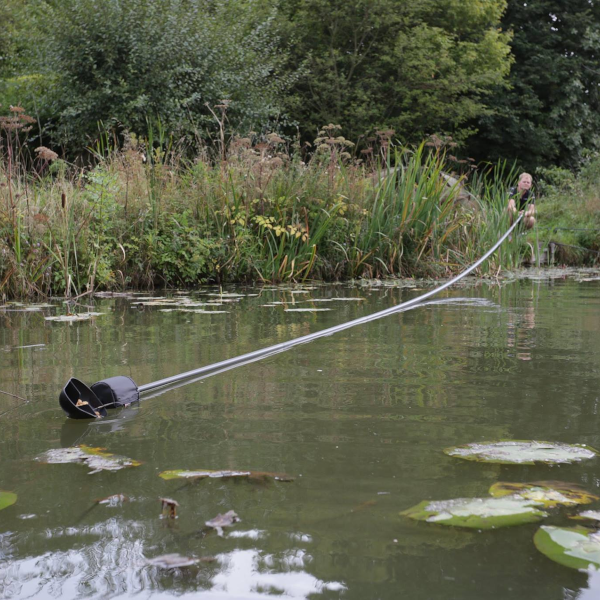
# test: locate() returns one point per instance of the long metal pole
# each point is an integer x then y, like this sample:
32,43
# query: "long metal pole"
263,353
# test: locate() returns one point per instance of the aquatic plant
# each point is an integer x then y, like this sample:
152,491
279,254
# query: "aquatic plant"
520,452
7,499
477,513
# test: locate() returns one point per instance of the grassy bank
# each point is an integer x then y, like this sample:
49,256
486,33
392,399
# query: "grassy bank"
147,217
569,213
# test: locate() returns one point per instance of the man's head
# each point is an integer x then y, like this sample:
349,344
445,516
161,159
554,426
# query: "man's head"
525,182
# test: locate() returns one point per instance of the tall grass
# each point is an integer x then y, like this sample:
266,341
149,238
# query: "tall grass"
148,215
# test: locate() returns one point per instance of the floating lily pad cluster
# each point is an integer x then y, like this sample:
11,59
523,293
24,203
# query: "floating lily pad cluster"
518,503
95,458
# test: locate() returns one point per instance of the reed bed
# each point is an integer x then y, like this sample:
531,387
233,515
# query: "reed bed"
147,215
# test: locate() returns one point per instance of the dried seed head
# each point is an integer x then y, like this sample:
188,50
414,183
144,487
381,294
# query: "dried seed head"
10,123
45,153
275,139
17,109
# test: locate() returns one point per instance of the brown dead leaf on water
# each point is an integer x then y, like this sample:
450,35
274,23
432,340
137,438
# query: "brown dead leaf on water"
169,508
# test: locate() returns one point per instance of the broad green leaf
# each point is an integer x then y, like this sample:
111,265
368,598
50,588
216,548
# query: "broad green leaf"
547,493
522,452
477,513
95,458
574,547
7,499
204,474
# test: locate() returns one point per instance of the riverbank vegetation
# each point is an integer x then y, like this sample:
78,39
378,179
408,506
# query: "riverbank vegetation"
146,216
175,143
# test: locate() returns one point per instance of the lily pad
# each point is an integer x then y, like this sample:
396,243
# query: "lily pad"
227,295
477,513
305,309
95,458
520,452
7,499
574,547
547,493
72,318
593,515
198,311
28,346
28,307
204,474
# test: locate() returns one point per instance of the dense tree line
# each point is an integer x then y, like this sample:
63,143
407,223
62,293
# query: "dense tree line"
504,78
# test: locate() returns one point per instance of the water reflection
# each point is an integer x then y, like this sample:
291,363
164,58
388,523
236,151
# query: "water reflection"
520,328
115,566
360,418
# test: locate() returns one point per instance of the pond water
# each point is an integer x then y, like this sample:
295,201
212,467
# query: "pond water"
359,419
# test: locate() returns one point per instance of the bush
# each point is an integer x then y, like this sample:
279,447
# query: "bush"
123,63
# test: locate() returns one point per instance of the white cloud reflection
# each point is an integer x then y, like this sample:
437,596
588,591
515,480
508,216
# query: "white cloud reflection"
115,567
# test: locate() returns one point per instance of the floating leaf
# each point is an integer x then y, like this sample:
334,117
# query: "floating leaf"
7,499
71,318
227,295
593,515
29,346
226,520
172,561
574,547
27,308
477,513
114,500
306,309
95,458
203,474
199,311
340,299
547,493
522,452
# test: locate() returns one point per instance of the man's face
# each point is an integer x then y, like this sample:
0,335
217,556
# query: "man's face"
525,183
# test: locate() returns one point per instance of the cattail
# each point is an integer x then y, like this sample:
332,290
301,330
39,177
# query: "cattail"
63,200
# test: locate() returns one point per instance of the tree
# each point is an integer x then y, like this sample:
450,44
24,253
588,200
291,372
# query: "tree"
126,62
551,113
418,66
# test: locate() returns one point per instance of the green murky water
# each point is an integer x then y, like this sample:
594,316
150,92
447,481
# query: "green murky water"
360,419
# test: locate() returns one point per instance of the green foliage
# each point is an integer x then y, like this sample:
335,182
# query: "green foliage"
261,215
551,113
124,62
417,67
